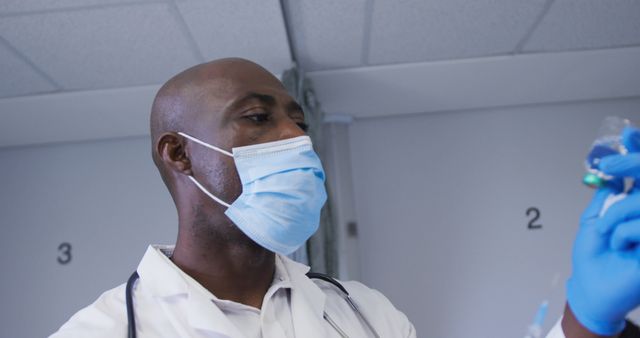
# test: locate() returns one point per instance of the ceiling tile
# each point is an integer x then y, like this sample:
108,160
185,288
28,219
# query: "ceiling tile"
250,29
18,78
328,34
13,6
586,24
426,30
102,48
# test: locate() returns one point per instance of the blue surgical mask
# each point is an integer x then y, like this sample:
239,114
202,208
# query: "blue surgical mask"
282,192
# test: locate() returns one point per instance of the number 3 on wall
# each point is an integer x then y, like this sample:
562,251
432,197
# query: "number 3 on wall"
536,216
64,253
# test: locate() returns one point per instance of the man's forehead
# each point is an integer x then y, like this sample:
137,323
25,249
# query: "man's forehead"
228,94
206,90
232,71
230,86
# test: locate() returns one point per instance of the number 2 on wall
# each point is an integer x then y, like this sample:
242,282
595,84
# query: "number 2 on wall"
536,215
64,253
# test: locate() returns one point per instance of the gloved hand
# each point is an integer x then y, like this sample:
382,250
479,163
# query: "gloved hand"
605,283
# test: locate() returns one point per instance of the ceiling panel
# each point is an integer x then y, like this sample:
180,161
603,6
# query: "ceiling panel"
18,78
12,6
102,48
328,34
586,24
425,30
253,29
476,84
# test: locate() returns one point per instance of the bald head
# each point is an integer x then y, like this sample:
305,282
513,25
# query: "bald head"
180,101
197,93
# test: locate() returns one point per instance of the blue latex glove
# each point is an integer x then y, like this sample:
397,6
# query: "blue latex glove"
605,283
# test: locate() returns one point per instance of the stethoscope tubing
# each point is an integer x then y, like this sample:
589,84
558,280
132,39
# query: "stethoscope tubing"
131,318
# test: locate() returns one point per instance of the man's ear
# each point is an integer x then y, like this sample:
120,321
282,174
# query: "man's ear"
172,151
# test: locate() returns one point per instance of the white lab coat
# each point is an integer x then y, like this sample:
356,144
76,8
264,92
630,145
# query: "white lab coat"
556,331
164,308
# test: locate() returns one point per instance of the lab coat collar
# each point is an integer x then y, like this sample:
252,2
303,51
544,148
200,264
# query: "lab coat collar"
203,314
156,266
168,281
307,299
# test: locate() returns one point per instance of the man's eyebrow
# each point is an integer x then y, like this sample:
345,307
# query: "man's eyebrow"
264,98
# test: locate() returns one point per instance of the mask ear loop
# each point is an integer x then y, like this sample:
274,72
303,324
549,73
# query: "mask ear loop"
198,183
208,193
206,144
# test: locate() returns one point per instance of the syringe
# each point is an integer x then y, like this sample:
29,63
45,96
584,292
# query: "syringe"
535,329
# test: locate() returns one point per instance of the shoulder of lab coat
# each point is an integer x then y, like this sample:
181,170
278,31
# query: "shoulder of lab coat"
556,331
378,307
106,317
375,307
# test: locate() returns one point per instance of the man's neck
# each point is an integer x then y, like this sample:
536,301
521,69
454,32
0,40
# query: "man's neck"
239,272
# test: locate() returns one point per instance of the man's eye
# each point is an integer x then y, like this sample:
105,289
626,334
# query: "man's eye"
303,126
258,117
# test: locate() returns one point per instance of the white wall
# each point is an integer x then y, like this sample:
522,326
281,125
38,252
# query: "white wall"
104,198
441,201
337,165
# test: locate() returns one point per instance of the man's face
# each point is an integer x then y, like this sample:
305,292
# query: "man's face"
242,106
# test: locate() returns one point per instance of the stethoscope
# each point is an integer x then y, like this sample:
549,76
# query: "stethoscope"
132,321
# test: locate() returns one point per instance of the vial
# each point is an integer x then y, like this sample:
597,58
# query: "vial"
608,142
